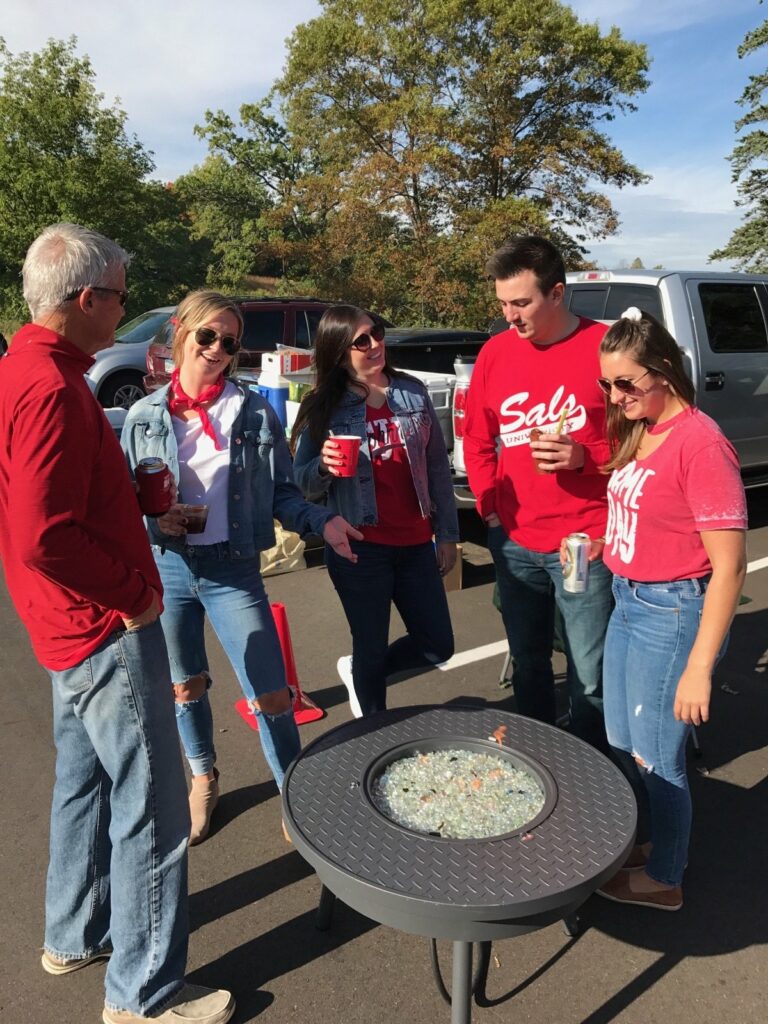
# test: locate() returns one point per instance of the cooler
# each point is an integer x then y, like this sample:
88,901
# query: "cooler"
440,389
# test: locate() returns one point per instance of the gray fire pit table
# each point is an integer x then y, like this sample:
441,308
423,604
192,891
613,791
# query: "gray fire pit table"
465,890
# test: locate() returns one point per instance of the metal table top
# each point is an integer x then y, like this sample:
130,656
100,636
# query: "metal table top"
467,889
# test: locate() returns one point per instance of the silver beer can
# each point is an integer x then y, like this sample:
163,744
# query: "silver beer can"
576,568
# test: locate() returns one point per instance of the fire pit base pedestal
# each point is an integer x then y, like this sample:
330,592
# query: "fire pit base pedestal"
464,890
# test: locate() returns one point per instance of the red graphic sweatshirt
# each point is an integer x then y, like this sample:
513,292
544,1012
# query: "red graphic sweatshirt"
516,386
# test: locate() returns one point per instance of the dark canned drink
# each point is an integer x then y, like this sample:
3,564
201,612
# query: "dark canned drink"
576,568
154,482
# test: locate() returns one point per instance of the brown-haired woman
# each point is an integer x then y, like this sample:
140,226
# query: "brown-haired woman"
399,497
675,543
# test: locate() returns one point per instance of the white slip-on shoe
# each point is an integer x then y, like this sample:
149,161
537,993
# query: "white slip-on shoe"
344,668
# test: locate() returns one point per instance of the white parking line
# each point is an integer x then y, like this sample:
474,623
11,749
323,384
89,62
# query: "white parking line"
493,650
476,654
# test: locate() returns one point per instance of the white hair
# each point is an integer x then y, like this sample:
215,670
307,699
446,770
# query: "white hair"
62,259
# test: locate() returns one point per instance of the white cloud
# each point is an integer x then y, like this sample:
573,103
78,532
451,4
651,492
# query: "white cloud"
168,61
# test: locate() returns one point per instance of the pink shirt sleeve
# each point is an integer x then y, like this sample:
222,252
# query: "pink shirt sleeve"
714,490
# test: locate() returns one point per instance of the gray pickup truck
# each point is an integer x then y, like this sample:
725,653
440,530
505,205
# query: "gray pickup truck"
720,321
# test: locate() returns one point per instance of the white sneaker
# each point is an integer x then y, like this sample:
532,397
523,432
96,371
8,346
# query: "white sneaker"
193,1005
344,668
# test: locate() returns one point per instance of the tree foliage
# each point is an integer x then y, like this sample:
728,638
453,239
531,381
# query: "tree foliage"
443,126
65,156
748,245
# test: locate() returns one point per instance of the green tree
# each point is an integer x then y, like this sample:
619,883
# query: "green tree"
64,156
637,264
748,245
443,126
243,198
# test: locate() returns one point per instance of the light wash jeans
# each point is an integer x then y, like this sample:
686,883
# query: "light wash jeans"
119,822
650,635
530,584
206,581
385,574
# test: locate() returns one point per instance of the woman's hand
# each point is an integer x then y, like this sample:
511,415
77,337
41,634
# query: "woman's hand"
336,534
446,552
692,696
331,458
596,548
173,522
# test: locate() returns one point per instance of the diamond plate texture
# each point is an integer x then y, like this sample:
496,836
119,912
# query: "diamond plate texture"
589,830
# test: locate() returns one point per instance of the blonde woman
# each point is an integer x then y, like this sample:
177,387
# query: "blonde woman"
226,449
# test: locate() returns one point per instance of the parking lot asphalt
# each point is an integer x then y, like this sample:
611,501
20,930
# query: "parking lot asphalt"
253,898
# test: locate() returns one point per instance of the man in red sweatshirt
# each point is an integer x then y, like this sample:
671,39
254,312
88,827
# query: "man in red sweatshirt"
81,574
541,373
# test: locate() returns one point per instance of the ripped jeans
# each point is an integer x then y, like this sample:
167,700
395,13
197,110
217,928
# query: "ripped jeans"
202,581
650,635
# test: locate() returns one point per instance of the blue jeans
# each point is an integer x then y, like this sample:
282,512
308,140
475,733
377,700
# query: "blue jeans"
409,577
119,821
206,581
650,635
530,585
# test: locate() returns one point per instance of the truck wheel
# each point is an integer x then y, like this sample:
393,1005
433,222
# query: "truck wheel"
122,390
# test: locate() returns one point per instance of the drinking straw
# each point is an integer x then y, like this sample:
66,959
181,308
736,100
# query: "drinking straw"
561,421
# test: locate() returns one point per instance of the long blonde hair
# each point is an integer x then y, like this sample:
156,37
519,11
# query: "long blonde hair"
193,310
651,346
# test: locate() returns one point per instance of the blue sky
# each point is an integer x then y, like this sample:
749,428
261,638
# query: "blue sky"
169,60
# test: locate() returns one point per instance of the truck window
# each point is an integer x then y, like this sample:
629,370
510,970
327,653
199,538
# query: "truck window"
306,326
622,296
733,318
263,329
587,301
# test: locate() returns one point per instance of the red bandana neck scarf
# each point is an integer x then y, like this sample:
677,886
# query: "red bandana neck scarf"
179,400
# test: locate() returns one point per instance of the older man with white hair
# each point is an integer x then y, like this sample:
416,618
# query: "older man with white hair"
82,576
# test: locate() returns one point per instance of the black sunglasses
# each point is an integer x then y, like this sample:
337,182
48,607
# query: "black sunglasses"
122,295
205,336
364,341
622,384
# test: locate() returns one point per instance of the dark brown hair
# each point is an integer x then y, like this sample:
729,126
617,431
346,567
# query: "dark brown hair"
528,252
334,337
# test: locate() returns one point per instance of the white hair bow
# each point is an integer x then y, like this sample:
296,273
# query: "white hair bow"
633,313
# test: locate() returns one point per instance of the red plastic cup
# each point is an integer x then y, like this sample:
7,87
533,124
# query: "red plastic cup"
541,467
349,449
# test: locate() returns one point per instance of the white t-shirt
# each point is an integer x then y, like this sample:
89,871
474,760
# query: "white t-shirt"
203,471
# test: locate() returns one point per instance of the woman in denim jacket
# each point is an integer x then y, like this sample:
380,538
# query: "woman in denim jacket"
400,495
226,449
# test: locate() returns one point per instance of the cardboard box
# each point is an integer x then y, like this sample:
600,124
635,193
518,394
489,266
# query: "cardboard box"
286,360
452,581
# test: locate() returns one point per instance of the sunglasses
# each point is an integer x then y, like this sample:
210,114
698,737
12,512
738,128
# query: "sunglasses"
205,337
364,341
122,296
622,384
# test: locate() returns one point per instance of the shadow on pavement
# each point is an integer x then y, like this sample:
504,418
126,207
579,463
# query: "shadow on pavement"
279,951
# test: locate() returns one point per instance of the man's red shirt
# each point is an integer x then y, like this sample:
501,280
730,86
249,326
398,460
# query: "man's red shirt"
516,386
72,542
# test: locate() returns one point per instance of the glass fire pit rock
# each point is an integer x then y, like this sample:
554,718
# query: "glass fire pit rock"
459,789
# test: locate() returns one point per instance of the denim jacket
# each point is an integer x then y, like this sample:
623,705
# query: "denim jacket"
354,497
261,485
